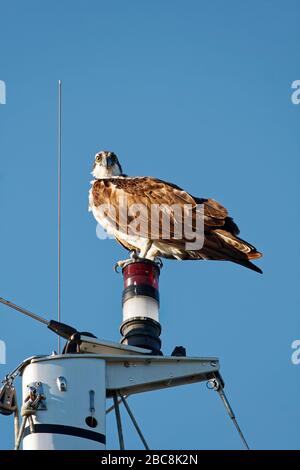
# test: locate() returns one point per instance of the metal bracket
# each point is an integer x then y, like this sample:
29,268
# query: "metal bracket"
136,374
37,389
61,384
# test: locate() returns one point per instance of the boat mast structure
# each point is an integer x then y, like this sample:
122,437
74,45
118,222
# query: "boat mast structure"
64,395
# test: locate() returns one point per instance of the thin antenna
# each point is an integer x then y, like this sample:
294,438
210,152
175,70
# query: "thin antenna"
23,310
59,210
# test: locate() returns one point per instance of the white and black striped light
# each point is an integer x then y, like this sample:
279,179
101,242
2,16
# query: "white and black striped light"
140,300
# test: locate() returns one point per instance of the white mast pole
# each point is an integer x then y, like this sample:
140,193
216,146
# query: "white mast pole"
59,210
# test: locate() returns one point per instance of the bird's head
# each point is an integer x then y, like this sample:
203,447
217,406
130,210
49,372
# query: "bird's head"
106,165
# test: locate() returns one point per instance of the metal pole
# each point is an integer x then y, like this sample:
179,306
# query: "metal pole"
217,384
23,310
232,416
59,211
118,419
112,407
134,422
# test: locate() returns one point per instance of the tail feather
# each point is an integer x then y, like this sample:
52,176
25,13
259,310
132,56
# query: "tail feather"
238,243
248,265
232,248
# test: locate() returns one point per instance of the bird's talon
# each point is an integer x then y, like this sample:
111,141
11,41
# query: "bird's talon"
159,262
121,264
133,255
116,268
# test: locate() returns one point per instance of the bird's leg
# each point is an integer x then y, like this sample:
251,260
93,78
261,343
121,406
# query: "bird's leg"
123,262
133,255
148,251
145,250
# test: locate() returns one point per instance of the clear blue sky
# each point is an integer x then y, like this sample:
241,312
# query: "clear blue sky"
194,92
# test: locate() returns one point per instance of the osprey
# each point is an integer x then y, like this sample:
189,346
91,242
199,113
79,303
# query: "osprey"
124,205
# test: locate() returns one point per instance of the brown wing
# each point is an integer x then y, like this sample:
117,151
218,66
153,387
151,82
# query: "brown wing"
124,195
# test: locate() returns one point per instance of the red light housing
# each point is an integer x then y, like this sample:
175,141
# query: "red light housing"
141,273
140,301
